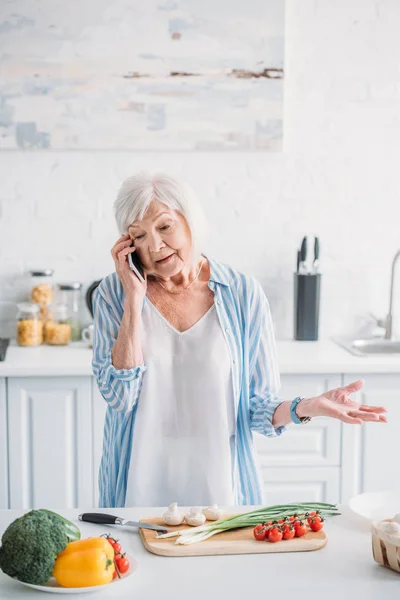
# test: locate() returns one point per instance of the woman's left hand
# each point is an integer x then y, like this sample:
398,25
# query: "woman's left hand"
337,404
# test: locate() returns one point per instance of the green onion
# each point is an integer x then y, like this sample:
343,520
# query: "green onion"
250,519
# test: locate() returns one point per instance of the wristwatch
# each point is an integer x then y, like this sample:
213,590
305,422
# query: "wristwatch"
293,414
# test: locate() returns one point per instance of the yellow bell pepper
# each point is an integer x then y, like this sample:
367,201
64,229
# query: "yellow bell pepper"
88,544
85,563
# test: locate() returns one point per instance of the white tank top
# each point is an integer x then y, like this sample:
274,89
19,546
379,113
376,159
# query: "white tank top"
183,438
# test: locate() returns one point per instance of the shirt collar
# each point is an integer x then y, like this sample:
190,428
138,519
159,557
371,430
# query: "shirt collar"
217,273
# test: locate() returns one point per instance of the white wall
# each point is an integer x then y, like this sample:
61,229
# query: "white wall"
337,178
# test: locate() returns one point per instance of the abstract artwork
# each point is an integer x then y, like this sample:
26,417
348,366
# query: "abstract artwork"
142,75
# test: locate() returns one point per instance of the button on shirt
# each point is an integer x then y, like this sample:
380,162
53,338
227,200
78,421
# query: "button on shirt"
244,311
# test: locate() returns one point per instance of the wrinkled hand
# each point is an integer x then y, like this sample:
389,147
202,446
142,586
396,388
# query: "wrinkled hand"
135,290
337,404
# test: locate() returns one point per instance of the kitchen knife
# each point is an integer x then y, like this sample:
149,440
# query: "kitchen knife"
316,255
298,260
105,519
303,254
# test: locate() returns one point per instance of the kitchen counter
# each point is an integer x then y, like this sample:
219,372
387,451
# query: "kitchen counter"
343,569
294,357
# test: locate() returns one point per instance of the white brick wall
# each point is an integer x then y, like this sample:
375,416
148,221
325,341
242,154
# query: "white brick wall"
337,178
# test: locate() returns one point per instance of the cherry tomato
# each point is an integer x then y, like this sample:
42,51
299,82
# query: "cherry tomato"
316,525
292,518
115,574
123,564
259,532
317,519
288,532
275,535
300,529
117,547
296,522
310,516
110,540
281,521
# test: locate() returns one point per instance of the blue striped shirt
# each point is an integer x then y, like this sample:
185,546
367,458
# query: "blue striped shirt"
245,318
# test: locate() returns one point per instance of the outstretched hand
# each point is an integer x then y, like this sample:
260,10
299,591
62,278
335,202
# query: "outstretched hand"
337,404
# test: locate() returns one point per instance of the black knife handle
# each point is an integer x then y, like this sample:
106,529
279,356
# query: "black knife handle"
303,249
316,249
100,518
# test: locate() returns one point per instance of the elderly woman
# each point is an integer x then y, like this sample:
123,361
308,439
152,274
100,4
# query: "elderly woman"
186,362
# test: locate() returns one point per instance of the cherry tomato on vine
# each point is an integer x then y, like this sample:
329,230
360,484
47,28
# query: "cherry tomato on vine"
275,535
259,532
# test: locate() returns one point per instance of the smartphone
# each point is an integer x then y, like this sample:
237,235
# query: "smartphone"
136,265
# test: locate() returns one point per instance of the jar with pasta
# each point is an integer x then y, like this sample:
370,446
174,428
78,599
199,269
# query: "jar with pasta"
57,330
29,324
42,289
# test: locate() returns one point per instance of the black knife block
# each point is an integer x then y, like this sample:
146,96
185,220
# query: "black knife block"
306,306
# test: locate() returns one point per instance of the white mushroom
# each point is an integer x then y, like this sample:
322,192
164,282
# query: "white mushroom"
195,517
212,513
172,516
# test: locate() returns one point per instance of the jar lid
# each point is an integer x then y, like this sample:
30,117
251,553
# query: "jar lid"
30,307
41,273
74,285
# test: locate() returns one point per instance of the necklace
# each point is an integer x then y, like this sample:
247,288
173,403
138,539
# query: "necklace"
187,287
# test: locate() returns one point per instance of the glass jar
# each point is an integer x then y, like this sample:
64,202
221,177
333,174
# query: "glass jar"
29,324
57,331
42,289
70,295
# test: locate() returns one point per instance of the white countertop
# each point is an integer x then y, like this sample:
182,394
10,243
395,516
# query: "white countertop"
294,357
344,569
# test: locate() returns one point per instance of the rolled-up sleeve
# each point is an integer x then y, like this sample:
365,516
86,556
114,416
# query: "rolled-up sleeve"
265,380
120,388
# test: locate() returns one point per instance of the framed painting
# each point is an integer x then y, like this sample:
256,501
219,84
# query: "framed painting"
190,75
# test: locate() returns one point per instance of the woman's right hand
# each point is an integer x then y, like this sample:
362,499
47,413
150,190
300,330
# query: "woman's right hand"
135,290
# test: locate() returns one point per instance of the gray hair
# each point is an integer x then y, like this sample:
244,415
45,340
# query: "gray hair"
137,192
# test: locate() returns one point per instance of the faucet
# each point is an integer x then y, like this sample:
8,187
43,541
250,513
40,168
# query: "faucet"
389,318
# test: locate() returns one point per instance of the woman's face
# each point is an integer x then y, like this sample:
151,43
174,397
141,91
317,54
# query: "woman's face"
162,240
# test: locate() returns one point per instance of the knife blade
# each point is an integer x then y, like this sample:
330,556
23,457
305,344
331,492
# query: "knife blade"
106,519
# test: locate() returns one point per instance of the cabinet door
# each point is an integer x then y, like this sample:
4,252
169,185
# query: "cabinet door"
369,454
301,484
50,442
314,444
3,447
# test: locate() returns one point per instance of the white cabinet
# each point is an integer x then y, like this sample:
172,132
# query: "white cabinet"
3,446
304,462
51,437
50,442
301,484
369,451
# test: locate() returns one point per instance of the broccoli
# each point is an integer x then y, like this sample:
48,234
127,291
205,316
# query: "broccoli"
30,545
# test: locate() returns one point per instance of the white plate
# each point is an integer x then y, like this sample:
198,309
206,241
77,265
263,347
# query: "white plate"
53,587
376,506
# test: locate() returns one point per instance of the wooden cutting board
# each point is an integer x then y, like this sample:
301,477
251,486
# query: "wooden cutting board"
239,541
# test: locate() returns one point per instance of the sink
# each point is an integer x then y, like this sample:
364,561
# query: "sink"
370,346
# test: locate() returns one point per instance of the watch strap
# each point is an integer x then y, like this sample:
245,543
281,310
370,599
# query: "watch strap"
293,414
